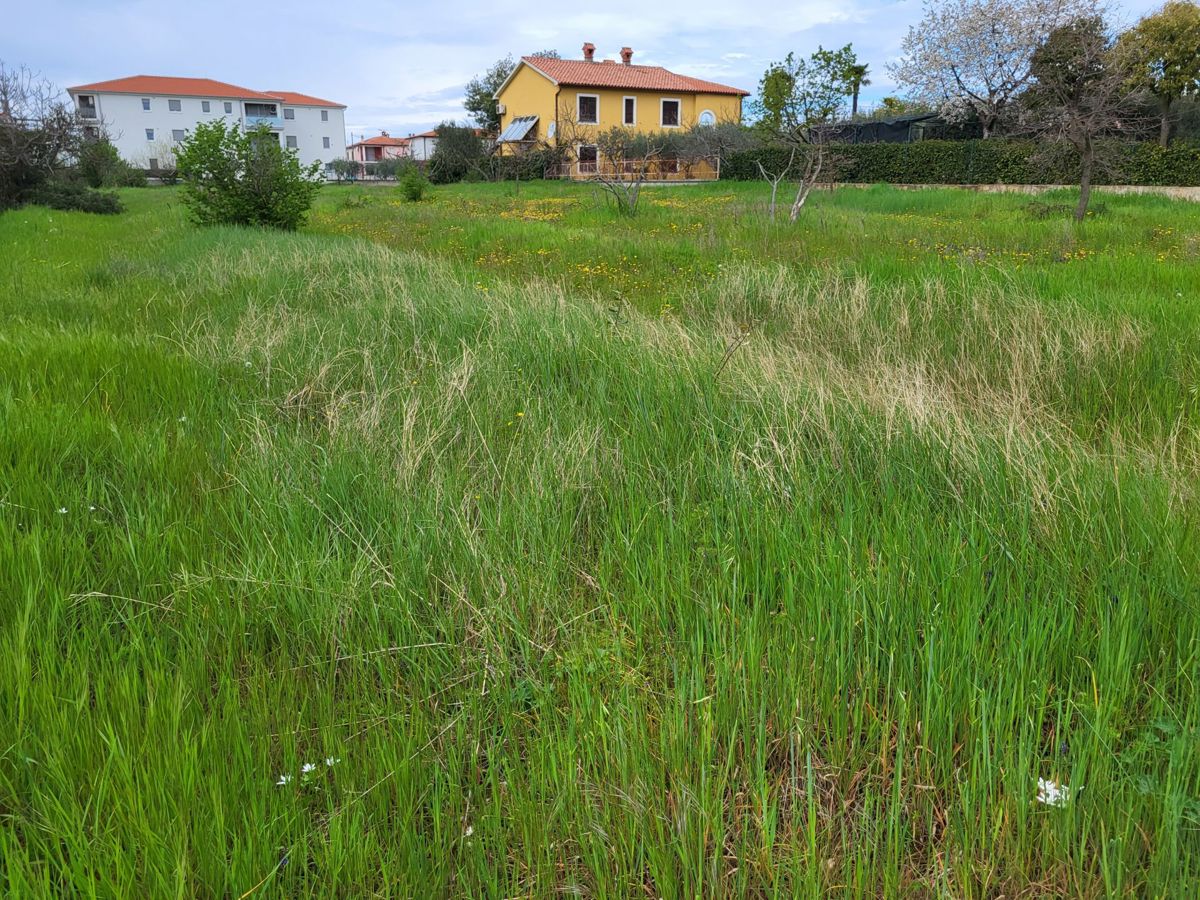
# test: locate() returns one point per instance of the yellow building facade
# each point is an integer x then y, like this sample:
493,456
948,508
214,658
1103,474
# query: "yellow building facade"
556,102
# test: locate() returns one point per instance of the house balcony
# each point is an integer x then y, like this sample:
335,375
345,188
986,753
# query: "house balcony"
87,112
275,123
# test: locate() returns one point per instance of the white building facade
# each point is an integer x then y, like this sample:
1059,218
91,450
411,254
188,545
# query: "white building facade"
146,117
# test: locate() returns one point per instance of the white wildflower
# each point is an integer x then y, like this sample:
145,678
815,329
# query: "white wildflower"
62,510
470,830
284,779
307,767
1052,793
181,419
332,760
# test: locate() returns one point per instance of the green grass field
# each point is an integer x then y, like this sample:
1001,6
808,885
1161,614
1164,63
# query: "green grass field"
668,557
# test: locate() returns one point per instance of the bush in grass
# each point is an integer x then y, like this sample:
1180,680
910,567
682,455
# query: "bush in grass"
412,183
994,161
343,169
235,178
100,165
458,156
72,195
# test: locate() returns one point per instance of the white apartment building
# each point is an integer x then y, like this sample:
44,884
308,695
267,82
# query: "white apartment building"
145,116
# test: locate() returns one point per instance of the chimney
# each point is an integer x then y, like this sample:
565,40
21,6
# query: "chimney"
627,55
589,52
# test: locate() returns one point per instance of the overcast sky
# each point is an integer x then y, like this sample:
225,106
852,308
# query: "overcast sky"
402,66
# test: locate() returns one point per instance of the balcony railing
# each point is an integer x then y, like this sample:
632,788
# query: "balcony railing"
87,112
273,122
704,169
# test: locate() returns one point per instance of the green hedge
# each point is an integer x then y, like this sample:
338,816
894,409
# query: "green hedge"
994,161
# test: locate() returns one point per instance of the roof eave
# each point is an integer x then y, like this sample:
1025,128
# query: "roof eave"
513,74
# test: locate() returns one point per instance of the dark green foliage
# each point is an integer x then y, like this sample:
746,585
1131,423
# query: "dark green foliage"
459,153
61,194
97,161
480,99
413,183
994,161
344,169
386,169
100,166
235,178
526,166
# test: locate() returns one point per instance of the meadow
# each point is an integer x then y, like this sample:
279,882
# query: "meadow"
499,546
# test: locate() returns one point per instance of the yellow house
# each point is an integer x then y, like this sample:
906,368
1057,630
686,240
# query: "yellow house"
570,101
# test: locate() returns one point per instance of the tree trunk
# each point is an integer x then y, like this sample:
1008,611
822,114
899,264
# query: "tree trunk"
854,102
1085,182
1164,124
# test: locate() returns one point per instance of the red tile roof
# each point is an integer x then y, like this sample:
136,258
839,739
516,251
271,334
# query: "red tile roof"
198,87
305,99
382,140
609,74
185,87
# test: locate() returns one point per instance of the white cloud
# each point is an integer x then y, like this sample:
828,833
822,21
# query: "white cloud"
402,66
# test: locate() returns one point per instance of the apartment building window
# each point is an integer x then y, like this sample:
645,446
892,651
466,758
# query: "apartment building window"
630,111
146,103
324,115
670,114
205,106
291,142
325,143
175,105
177,135
149,134
587,109
289,113
228,107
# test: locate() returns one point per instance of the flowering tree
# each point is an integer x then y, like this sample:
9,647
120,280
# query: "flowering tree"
972,57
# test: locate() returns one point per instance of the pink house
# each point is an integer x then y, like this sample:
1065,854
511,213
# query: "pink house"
377,149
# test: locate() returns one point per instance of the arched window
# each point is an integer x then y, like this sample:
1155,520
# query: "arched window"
707,119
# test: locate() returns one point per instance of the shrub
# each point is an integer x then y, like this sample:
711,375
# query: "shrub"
412,184
994,161
99,165
235,178
62,194
343,169
527,165
459,153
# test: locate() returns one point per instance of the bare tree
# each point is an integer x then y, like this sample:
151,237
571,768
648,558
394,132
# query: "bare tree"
973,57
815,160
809,163
776,178
1081,94
624,162
38,131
